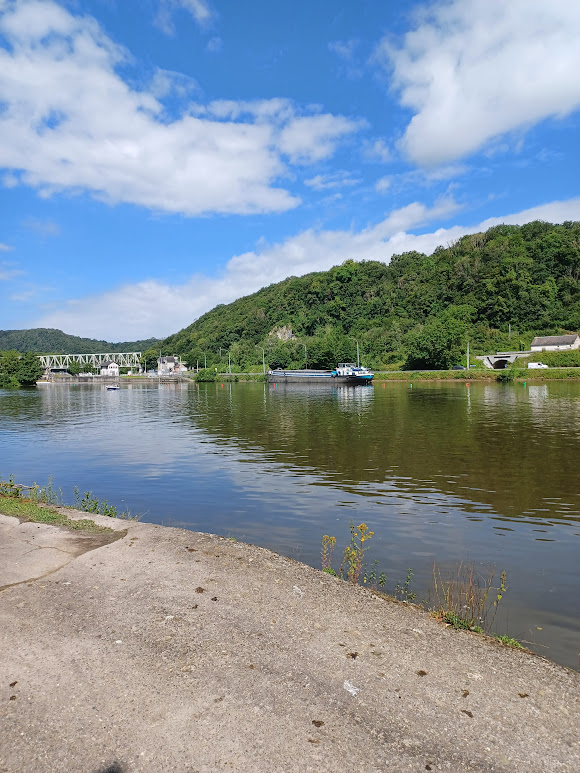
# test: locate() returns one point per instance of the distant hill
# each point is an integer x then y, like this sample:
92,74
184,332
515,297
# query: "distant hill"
498,289
51,341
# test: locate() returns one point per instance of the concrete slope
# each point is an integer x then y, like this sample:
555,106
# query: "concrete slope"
169,650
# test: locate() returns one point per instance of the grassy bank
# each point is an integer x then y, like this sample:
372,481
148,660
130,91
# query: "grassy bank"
36,512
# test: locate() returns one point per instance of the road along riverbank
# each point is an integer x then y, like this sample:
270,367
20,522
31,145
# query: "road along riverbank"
170,650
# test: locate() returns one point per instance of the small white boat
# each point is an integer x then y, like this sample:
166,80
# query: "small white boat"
112,387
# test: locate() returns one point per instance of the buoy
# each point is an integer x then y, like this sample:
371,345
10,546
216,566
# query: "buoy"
410,386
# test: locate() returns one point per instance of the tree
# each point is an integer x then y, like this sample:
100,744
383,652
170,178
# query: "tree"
9,362
29,369
149,358
437,344
74,368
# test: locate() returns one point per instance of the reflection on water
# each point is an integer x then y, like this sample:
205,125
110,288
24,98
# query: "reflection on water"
446,472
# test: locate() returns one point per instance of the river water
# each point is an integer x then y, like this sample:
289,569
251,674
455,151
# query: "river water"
486,474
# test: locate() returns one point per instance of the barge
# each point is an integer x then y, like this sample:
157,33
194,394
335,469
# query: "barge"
345,373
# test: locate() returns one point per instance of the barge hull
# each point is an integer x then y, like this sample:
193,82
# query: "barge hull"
320,378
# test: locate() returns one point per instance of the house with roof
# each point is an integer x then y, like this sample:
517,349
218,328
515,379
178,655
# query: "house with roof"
167,366
555,343
109,368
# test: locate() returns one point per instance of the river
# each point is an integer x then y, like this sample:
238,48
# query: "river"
447,472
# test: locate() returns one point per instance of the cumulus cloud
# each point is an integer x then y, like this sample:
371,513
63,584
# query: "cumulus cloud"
155,308
5,247
313,138
70,122
472,70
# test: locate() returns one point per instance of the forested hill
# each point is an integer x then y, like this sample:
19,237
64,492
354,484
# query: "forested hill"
419,309
48,341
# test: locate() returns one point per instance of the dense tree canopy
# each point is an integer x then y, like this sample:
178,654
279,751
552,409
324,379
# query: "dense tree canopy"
51,341
19,370
419,309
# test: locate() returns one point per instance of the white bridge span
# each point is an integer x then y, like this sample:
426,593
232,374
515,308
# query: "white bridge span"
62,361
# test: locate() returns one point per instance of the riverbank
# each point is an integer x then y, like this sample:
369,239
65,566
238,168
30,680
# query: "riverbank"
174,650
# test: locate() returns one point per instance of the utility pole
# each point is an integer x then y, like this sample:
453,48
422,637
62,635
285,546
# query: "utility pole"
305,355
357,357
468,354
509,329
204,360
229,363
263,361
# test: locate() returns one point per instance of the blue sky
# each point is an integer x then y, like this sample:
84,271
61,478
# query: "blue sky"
158,157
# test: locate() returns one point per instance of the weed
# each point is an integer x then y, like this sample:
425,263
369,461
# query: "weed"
352,560
402,591
10,489
509,641
370,578
328,545
353,557
463,599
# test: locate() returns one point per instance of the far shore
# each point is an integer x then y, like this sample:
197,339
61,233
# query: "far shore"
488,375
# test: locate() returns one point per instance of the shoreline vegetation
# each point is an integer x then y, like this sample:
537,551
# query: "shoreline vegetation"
464,599
487,292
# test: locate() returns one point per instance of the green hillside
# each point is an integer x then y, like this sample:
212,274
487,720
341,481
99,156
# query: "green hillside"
419,310
51,341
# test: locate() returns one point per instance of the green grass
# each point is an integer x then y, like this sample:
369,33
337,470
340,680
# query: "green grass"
509,642
436,375
31,511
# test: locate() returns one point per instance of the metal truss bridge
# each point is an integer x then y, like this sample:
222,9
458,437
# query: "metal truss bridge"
62,361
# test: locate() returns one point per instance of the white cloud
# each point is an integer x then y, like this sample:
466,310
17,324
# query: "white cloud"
383,184
343,48
199,9
8,270
313,138
5,247
155,308
214,45
378,151
321,182
473,70
70,122
42,227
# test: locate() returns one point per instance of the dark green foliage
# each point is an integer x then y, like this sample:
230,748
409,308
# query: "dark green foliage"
74,368
149,358
419,309
29,369
505,376
206,374
19,370
51,341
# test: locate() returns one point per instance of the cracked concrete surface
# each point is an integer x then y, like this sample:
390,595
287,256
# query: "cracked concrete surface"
169,650
29,551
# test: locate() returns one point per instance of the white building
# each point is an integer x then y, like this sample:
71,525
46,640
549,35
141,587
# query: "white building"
167,366
555,343
109,368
